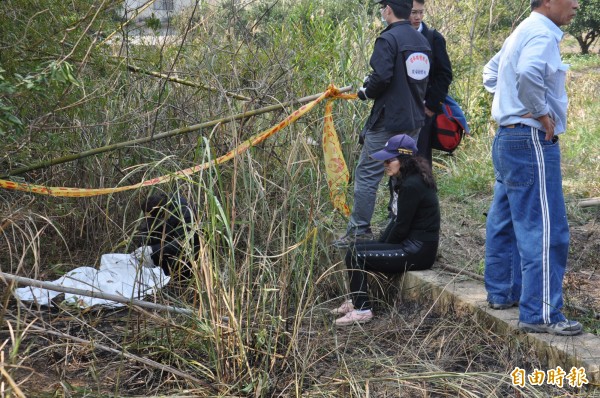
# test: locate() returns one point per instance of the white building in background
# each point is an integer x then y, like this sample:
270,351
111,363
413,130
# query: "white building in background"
161,9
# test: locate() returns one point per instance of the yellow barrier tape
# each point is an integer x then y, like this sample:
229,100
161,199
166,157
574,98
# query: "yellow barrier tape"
337,172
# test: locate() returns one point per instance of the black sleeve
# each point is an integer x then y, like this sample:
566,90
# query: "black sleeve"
147,233
385,235
409,198
382,62
165,241
168,241
441,75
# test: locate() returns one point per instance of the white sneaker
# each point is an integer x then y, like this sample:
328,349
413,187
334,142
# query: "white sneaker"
355,316
343,309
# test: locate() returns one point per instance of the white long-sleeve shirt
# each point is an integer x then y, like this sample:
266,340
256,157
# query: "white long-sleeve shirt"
528,76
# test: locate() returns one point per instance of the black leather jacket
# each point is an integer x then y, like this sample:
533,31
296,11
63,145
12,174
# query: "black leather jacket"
167,233
417,215
398,97
441,70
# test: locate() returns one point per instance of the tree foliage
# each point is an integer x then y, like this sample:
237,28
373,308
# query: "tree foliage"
67,88
585,27
46,47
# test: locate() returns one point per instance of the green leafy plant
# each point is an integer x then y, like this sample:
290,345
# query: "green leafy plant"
585,27
256,320
8,120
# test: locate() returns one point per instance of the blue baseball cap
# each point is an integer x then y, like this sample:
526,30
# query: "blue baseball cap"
398,145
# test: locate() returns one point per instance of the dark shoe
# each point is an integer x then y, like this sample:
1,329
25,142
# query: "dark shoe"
564,328
351,237
496,306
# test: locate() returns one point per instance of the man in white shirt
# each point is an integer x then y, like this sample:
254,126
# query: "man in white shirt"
527,234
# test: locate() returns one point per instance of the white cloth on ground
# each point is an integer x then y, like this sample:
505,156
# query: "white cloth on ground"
119,274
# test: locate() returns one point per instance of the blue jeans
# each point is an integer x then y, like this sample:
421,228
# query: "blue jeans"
367,176
527,234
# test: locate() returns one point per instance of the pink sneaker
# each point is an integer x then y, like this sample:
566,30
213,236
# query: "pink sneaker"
343,309
354,316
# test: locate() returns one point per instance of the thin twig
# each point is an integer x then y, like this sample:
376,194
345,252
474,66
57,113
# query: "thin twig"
187,82
461,271
128,355
106,296
170,133
15,387
590,202
137,12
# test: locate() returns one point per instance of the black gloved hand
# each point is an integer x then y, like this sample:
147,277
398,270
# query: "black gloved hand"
361,94
366,80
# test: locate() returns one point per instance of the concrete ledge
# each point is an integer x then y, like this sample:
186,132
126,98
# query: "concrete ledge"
462,295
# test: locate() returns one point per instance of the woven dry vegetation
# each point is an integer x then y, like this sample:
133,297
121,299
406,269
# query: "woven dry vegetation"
266,275
408,351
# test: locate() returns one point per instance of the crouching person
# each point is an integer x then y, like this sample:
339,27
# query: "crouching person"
169,234
409,242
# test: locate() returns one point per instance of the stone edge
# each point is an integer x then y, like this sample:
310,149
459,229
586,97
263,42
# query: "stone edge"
463,295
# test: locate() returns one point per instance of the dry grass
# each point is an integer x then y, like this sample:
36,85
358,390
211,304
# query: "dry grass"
407,351
265,276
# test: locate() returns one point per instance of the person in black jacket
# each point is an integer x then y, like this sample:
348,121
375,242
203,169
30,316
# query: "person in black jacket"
168,234
440,77
397,84
409,242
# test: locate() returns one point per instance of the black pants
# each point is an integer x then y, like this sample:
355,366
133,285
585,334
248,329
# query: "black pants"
392,258
424,141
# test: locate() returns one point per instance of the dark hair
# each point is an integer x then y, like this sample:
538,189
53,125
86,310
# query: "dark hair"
154,202
401,12
536,4
417,165
420,1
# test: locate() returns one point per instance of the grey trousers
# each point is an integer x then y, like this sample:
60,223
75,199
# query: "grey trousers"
367,176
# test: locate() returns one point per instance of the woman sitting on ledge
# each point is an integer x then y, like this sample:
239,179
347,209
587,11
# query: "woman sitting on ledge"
409,242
